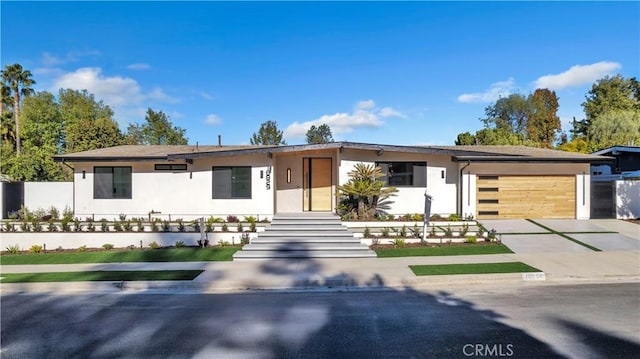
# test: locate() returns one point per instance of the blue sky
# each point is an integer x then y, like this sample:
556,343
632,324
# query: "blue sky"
411,73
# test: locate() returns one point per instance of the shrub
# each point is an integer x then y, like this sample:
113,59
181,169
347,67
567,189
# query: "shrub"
91,227
222,243
51,226
418,217
76,225
126,225
24,226
196,225
252,227
240,228
232,219
453,217
64,224
471,239
398,243
122,216
213,220
448,232
104,226
367,232
155,227
407,217
36,226
107,246
67,213
416,231
14,249
436,217
245,238
384,232
54,213
225,228
166,227
468,217
403,231
180,244
154,245
250,219
464,230
36,248
118,226
24,213
181,226
139,225
208,227
82,248
9,227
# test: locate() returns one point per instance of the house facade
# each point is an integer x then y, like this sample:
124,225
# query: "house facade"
194,181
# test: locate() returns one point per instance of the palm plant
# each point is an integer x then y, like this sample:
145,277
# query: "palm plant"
19,82
365,188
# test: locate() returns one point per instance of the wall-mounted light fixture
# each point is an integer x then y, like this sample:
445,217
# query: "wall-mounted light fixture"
191,175
84,174
442,174
261,174
288,175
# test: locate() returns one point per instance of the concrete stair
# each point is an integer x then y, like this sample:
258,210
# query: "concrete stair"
305,235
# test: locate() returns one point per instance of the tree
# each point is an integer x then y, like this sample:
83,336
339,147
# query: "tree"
320,134
615,127
465,138
509,113
19,82
543,124
365,190
157,130
607,94
88,124
268,134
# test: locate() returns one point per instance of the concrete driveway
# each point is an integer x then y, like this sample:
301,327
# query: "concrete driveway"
523,236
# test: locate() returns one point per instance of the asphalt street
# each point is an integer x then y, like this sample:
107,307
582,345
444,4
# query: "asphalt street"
524,321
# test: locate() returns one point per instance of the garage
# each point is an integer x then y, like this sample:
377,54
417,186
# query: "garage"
526,196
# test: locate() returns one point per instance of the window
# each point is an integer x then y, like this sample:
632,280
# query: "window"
231,182
407,174
111,182
171,167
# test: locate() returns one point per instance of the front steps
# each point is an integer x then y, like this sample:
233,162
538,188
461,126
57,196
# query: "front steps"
305,235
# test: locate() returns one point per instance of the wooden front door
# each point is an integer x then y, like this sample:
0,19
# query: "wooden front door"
317,184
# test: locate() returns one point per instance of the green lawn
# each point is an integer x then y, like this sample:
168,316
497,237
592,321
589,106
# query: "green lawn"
472,268
148,255
99,276
443,251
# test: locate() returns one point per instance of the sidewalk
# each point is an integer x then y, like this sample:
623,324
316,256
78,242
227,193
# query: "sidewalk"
342,274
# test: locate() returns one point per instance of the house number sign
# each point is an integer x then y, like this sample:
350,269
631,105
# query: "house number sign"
268,178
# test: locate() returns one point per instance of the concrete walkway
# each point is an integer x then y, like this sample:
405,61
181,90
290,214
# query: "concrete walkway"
341,274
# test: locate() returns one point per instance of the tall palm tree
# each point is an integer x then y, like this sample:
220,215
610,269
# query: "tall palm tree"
19,82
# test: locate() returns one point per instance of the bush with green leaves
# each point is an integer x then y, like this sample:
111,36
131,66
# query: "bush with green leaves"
180,244
225,228
250,219
126,225
77,227
107,246
416,231
403,231
367,232
471,239
384,232
122,217
166,226
196,225
222,243
104,225
117,226
67,214
51,226
453,217
245,238
239,228
82,248
139,225
154,245
64,224
36,226
54,213
36,248
155,225
464,230
253,227
181,226
9,227
398,243
14,249
25,227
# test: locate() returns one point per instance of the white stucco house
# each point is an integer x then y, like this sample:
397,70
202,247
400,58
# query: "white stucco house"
193,181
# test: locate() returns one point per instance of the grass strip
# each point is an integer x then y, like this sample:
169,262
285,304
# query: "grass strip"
565,236
98,276
148,255
443,251
472,268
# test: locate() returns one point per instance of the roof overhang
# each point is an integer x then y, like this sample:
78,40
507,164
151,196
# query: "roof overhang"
108,159
526,159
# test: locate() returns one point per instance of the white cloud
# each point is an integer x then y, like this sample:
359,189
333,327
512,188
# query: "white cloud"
206,96
577,75
49,59
493,93
139,66
212,119
364,115
159,95
114,91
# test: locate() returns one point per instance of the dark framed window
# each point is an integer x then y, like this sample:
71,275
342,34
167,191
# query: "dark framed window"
404,174
111,182
231,182
170,167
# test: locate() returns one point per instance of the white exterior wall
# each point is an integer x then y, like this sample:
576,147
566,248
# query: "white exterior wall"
411,199
44,195
468,194
627,199
184,195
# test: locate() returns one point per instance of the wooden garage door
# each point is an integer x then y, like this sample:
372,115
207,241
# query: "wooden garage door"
526,197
